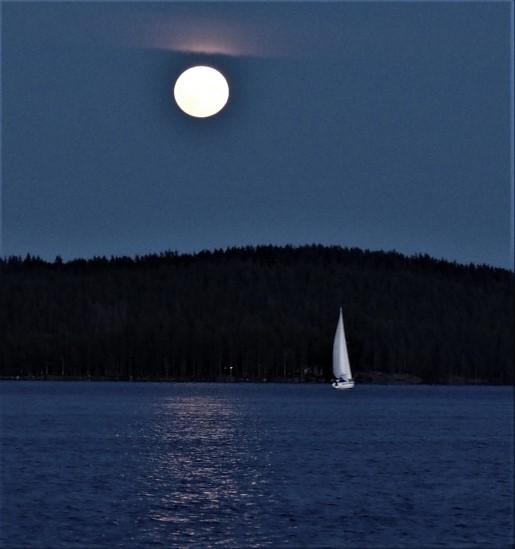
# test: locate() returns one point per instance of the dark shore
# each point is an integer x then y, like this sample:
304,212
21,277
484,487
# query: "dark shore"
366,378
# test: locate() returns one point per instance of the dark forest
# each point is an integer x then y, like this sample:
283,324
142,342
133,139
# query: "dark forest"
256,313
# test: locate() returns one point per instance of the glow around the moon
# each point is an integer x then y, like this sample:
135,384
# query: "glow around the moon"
201,91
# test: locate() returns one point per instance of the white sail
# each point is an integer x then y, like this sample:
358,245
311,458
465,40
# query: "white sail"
341,365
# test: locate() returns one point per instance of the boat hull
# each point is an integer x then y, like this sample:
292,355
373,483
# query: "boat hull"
340,385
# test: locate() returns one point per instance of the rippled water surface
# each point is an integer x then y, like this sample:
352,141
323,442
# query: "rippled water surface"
255,465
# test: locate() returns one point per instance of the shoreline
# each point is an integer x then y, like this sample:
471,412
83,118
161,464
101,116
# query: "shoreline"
375,378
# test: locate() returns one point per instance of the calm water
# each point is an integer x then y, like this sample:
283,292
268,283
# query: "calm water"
255,465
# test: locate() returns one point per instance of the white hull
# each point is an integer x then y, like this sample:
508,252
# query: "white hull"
343,384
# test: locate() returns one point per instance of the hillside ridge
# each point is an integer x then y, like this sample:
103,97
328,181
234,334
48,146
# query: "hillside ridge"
268,311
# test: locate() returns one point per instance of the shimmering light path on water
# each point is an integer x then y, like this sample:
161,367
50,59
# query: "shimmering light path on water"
255,465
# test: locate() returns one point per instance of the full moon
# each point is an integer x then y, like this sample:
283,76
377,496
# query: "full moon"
201,91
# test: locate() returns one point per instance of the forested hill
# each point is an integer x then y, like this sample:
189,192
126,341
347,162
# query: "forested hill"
269,312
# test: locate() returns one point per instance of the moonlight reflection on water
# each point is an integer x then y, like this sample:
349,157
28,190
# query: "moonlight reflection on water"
191,484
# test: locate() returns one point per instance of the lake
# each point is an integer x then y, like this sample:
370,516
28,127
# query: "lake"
114,464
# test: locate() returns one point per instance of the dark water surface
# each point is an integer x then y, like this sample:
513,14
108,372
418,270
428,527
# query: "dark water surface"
251,465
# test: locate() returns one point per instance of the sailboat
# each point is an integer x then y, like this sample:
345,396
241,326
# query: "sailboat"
341,364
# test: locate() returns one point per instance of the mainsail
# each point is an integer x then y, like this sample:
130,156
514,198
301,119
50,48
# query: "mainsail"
341,365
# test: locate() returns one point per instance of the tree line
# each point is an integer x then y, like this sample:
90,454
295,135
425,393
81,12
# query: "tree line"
255,313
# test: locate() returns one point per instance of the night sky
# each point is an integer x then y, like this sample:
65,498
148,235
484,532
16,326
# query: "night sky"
377,125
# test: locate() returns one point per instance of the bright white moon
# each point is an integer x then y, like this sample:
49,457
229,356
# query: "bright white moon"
201,91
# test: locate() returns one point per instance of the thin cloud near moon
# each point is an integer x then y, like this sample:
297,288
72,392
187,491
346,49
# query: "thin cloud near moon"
190,34
173,27
237,30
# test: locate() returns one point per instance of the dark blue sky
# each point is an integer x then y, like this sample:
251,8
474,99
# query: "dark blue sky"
378,125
